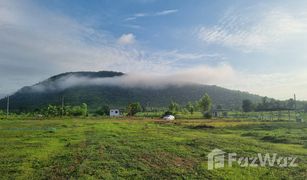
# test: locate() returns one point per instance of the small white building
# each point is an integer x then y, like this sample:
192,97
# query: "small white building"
114,112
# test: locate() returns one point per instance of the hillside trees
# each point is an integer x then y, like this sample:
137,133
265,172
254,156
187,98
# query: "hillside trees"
27,99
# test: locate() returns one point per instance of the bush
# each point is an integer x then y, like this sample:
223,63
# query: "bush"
103,111
133,108
207,115
53,111
77,111
167,113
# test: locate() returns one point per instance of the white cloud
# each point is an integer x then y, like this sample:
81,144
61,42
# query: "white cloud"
127,39
275,85
130,18
159,13
249,31
202,75
169,58
166,12
277,35
140,14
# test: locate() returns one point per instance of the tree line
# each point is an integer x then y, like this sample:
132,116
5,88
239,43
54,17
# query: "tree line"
53,110
269,105
204,104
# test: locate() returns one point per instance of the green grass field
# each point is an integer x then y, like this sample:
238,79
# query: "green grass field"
140,148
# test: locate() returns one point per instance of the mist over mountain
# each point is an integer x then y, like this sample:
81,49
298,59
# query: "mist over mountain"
117,89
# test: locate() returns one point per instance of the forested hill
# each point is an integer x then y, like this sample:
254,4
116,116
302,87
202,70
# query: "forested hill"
98,94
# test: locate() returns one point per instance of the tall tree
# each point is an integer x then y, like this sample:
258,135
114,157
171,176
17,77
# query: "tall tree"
173,107
84,109
247,105
190,107
205,104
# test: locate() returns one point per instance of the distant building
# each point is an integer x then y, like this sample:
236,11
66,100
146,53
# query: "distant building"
114,112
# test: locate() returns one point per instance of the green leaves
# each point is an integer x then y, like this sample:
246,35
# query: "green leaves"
133,108
205,103
173,107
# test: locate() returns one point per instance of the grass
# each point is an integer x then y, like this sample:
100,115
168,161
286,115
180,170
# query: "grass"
144,148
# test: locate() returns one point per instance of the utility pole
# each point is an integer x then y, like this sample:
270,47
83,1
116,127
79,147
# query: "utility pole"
7,106
297,116
294,103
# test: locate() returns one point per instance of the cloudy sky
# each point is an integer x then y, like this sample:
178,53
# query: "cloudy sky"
256,46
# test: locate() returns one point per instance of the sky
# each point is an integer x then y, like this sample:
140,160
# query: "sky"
254,46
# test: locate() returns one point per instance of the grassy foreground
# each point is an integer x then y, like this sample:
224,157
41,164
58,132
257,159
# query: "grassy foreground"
144,148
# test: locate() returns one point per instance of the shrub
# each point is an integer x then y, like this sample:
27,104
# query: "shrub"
103,111
133,108
207,115
167,113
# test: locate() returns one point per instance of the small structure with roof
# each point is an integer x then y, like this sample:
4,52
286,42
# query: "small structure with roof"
220,113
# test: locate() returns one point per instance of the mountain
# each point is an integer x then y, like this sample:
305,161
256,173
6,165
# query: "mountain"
100,88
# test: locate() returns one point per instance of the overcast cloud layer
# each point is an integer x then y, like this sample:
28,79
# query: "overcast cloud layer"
37,42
